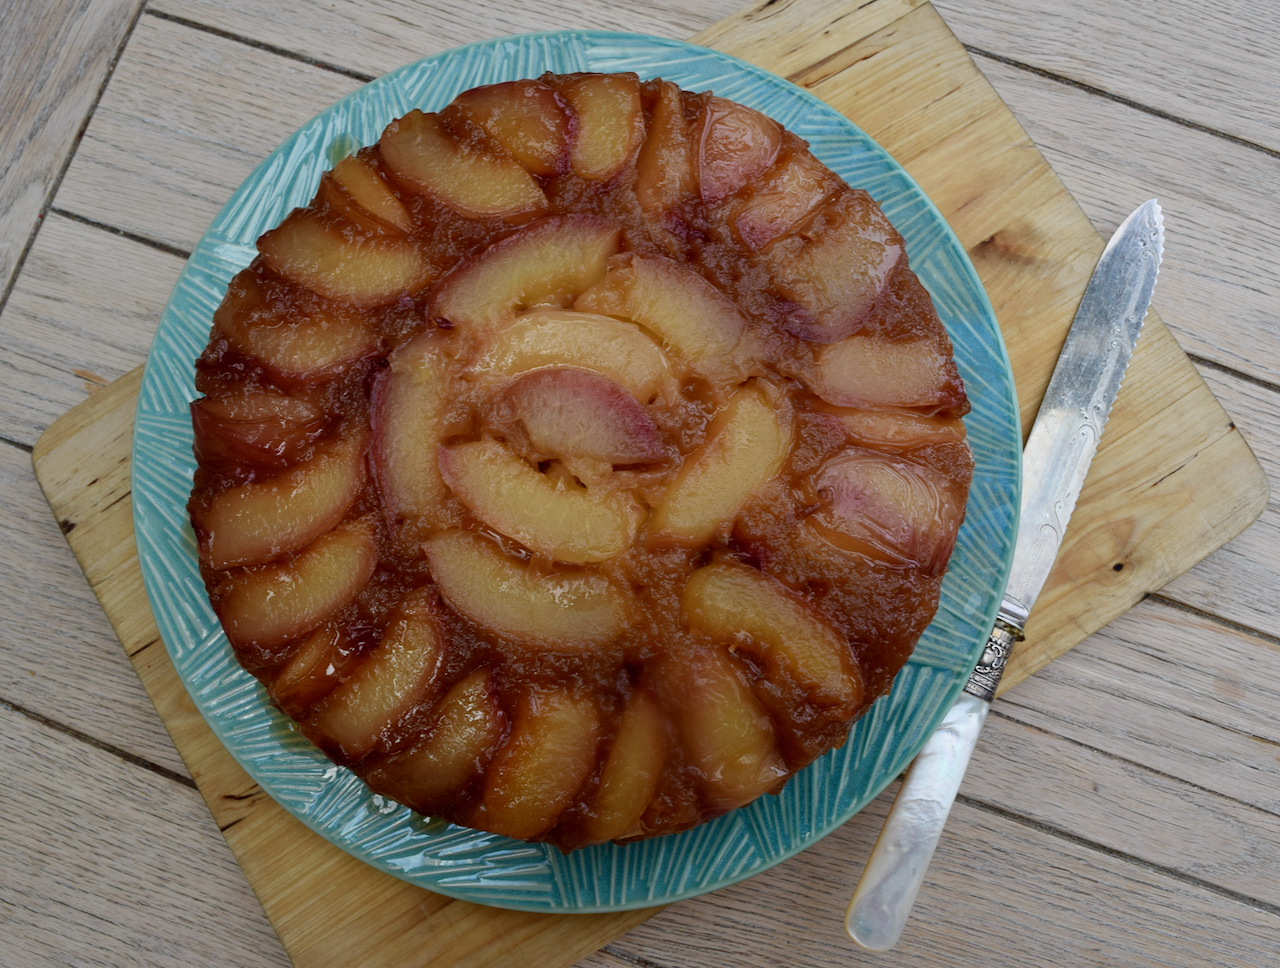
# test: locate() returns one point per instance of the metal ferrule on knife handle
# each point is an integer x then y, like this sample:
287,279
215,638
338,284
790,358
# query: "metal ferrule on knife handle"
985,676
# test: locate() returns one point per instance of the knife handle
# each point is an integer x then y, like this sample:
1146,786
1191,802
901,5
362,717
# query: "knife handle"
895,870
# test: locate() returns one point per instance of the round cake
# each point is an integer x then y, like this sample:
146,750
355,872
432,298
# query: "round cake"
581,463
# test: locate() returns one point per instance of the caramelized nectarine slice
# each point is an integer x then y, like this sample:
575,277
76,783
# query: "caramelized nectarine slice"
362,181
887,508
900,430
664,168
735,144
253,523
312,671
616,349
569,609
700,324
746,445
728,601
399,673
610,122
833,268
878,372
419,151
255,428
544,264
558,519
266,605
545,762
528,119
409,406
781,198
631,772
728,737
574,414
469,724
339,262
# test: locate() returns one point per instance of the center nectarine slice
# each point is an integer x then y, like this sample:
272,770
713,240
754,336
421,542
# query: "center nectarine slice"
612,347
577,415
699,324
559,519
746,445
564,609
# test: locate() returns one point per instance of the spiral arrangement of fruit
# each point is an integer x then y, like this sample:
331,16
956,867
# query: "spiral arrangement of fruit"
581,462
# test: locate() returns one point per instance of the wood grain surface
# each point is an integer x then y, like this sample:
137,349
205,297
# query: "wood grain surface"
1124,795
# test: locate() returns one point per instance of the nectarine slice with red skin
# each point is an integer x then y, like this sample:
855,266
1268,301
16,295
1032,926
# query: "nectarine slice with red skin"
744,608
409,408
560,520
746,445
899,430
610,122
729,739
631,772
253,523
546,760
575,414
423,155
455,750
363,182
887,508
400,673
265,606
699,324
614,348
781,198
831,270
735,145
257,429
525,118
564,609
547,263
874,372
340,262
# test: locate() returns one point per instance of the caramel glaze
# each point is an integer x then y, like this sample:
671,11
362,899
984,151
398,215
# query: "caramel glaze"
880,606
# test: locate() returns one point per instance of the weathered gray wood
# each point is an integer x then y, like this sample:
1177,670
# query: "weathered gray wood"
75,321
1224,75
107,863
59,659
54,57
373,38
1220,278
999,894
1180,694
161,156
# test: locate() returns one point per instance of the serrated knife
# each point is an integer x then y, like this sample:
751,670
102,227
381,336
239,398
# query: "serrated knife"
1055,461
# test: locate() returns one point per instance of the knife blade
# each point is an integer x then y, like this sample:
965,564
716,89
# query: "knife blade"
1055,461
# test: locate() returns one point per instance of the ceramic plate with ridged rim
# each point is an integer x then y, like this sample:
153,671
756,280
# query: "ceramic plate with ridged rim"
483,867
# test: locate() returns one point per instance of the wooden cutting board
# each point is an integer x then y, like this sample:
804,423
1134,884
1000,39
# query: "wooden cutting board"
1173,481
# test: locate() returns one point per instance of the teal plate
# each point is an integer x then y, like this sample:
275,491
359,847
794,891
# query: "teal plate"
482,867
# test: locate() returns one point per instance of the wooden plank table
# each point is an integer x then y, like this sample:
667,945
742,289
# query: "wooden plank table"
1125,795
